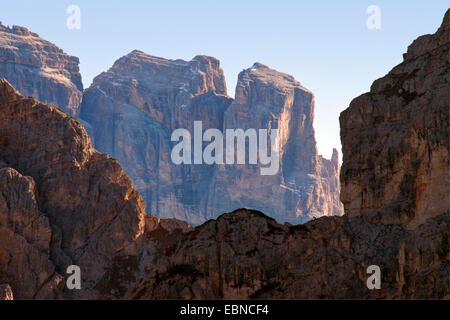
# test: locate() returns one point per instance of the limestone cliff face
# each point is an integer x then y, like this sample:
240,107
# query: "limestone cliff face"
388,169
301,190
25,237
62,201
395,138
329,173
247,255
132,109
40,69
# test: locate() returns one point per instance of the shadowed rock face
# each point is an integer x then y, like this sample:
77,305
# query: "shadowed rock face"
62,202
396,138
306,184
6,292
246,254
38,68
25,236
132,109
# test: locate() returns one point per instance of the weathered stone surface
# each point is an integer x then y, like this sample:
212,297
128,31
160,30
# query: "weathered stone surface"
72,203
329,173
246,254
25,237
6,292
396,138
132,109
38,68
306,184
62,202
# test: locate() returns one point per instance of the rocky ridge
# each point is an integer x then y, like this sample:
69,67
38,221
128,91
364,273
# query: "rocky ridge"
306,185
38,68
396,138
132,109
62,202
395,182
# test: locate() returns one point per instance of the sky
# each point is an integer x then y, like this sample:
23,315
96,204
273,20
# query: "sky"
326,45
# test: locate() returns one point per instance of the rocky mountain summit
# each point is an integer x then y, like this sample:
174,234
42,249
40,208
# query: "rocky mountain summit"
306,185
38,68
396,182
396,138
63,203
132,109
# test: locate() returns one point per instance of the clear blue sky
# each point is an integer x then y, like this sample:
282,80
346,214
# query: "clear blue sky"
324,44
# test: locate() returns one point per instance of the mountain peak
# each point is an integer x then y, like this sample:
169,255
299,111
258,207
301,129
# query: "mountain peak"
18,30
258,65
7,92
270,77
38,68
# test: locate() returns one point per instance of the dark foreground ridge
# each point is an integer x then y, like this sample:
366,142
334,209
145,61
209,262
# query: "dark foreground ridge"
63,203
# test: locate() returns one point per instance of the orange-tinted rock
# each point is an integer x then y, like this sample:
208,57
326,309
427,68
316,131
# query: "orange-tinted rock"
396,138
245,254
6,292
91,206
25,237
62,202
132,109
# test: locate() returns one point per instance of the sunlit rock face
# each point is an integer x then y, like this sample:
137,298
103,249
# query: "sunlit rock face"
62,201
247,255
306,185
132,109
38,68
395,138
395,182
